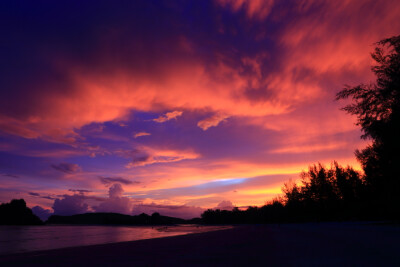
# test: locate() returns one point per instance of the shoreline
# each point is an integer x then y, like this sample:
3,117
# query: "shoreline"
257,245
25,239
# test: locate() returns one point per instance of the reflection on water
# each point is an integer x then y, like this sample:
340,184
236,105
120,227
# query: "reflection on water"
14,239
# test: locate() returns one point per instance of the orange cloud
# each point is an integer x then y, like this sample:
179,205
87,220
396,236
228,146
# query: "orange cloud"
212,121
309,148
168,116
147,156
139,134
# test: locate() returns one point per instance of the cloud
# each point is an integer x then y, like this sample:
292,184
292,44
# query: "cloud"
110,180
273,69
47,196
179,211
168,116
70,205
225,205
212,121
42,213
14,127
147,156
10,175
226,75
115,191
80,191
116,201
68,168
139,134
255,9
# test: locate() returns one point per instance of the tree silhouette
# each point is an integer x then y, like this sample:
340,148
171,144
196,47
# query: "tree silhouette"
340,193
377,107
325,193
17,213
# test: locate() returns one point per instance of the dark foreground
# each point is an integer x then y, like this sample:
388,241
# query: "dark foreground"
327,244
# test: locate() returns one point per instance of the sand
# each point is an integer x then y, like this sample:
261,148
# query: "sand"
317,244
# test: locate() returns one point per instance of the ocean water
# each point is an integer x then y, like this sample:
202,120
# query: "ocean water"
16,239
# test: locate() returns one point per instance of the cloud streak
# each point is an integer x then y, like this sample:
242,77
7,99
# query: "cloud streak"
68,168
212,121
168,116
148,156
139,134
110,180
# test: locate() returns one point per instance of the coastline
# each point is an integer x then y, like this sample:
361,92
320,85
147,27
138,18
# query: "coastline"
313,244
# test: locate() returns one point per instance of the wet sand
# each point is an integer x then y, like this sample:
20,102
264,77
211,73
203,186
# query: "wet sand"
317,244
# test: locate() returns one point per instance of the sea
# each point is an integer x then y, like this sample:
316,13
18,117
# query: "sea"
18,239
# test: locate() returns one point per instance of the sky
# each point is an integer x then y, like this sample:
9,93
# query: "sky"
177,106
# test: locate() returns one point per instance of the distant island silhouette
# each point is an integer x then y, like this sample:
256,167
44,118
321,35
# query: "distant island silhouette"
17,213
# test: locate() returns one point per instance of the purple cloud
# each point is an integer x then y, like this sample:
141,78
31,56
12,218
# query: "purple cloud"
70,205
116,202
10,175
34,194
168,116
225,205
80,191
111,180
66,167
42,213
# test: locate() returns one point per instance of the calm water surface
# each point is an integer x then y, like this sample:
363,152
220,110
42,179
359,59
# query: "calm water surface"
14,239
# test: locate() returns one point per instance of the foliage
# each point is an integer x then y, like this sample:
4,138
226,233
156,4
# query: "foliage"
324,194
17,213
377,108
342,193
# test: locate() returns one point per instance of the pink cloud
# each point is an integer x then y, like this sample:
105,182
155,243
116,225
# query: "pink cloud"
168,116
225,205
212,121
66,167
15,127
116,202
332,42
115,191
147,156
139,134
70,205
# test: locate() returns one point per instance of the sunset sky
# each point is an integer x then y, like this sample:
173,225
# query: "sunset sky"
177,106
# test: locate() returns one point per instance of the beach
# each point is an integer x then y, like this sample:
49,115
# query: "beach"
312,244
